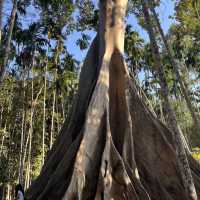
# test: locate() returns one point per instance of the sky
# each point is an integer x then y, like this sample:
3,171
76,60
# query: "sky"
165,10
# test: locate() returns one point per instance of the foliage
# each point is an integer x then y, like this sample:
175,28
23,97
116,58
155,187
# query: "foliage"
196,153
40,50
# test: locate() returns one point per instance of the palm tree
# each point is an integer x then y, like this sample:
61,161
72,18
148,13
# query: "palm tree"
174,64
1,15
181,154
8,40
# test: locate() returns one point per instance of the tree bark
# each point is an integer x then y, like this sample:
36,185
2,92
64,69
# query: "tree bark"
2,140
52,119
29,138
30,130
57,115
112,146
63,107
174,64
22,137
54,93
182,158
8,40
1,115
44,114
1,16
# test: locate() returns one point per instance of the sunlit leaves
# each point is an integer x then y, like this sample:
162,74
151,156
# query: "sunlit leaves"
83,42
88,15
134,48
188,14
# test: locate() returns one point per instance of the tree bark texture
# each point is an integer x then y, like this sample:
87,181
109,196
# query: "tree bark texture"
112,146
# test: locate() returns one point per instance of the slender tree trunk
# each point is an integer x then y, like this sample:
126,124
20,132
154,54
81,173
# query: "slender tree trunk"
63,107
1,17
7,191
7,170
29,163
44,114
181,155
2,141
57,115
22,136
52,118
54,93
174,64
4,192
30,131
28,171
1,116
26,176
8,40
161,112
29,140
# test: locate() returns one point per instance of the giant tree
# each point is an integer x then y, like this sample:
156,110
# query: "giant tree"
112,146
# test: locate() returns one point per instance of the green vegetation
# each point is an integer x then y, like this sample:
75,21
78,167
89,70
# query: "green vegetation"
39,80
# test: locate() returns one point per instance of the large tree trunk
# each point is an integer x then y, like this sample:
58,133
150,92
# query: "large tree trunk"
112,147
